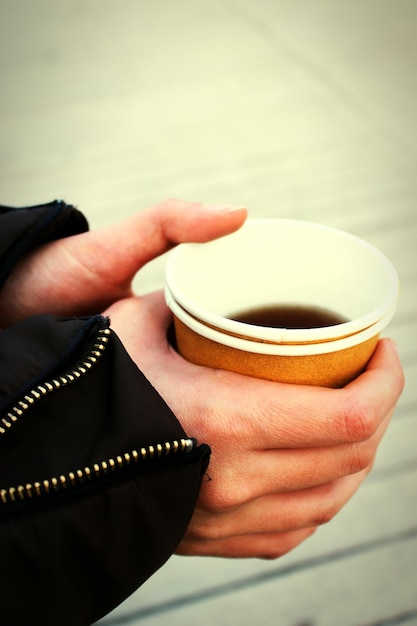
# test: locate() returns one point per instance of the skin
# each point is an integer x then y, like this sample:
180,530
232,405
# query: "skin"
285,458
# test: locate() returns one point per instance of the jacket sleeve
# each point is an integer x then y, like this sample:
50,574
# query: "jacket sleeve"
98,480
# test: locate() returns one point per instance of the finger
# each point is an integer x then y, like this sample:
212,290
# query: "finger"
125,247
86,273
267,546
316,416
176,221
273,415
277,513
289,470
374,393
237,477
276,416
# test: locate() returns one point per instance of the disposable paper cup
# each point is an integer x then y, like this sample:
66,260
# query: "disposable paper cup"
330,364
274,261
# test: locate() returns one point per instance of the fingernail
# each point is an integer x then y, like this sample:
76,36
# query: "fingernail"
225,208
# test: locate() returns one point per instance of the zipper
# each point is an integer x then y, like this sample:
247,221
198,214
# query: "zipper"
69,377
80,476
96,471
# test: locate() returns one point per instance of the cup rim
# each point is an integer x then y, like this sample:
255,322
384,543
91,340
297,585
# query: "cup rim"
381,322
288,335
275,349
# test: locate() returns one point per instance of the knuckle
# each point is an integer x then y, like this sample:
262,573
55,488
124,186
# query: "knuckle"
203,530
359,420
220,494
328,507
221,500
359,457
325,516
284,543
224,425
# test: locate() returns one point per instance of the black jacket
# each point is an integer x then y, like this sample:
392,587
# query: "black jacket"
98,480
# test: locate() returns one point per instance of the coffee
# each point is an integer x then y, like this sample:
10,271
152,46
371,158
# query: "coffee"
289,316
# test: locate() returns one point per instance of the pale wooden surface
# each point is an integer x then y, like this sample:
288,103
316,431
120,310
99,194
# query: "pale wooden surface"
297,108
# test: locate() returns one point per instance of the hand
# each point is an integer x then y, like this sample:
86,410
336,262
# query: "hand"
85,273
285,458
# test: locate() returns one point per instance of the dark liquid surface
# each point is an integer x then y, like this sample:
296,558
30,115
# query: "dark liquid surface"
289,316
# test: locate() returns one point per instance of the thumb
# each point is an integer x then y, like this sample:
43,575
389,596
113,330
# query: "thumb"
107,259
130,244
88,272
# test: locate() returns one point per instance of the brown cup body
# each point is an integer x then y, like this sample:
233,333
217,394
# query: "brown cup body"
330,369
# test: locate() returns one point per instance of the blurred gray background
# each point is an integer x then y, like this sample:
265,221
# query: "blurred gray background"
295,108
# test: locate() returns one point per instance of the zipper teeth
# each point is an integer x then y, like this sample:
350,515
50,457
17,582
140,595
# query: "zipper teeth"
44,388
80,476
97,470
